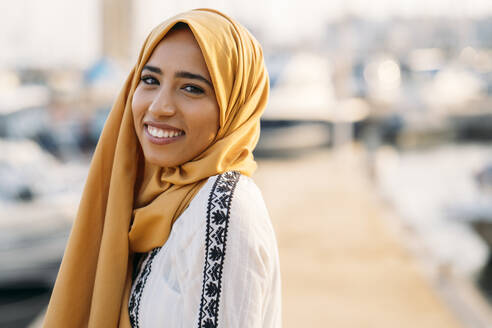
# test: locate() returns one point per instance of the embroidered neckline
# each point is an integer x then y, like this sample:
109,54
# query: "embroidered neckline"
218,214
137,290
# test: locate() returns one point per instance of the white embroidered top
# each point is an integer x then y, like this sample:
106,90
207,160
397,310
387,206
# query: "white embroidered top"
219,267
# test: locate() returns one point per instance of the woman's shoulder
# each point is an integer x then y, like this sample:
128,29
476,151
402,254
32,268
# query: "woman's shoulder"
230,203
235,184
236,198
239,193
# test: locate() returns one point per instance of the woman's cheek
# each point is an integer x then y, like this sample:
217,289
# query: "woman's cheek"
137,104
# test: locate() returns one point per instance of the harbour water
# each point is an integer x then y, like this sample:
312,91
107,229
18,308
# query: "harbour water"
427,187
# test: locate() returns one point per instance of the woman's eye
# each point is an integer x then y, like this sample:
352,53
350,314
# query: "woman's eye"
193,89
147,79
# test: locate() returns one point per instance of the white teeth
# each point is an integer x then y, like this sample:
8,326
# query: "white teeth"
160,133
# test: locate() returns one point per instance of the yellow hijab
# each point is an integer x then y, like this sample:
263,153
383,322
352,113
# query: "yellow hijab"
129,205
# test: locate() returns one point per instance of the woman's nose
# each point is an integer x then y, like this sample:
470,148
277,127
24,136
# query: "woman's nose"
163,104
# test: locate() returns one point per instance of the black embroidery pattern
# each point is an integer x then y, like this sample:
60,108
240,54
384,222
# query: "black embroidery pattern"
138,287
218,213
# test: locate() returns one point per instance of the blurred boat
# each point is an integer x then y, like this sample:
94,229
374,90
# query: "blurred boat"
60,137
17,97
32,240
38,199
473,125
484,179
299,114
478,213
20,306
479,216
424,132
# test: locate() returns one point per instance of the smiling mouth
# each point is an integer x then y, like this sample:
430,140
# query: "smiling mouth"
163,133
162,136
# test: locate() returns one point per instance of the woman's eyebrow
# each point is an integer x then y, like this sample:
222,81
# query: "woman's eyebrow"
182,74
152,69
189,75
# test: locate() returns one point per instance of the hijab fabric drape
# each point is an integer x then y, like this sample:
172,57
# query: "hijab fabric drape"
128,205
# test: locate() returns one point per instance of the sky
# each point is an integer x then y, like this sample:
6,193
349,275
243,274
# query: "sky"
66,32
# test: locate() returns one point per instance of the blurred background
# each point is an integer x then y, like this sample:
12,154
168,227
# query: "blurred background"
375,157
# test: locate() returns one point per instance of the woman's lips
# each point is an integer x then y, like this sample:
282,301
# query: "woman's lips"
162,134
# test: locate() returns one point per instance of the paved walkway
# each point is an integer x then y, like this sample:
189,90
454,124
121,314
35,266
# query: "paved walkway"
341,264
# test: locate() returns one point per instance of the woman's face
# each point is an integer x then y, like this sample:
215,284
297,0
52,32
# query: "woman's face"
174,108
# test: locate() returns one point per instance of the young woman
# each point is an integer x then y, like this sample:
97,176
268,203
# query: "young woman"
171,230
